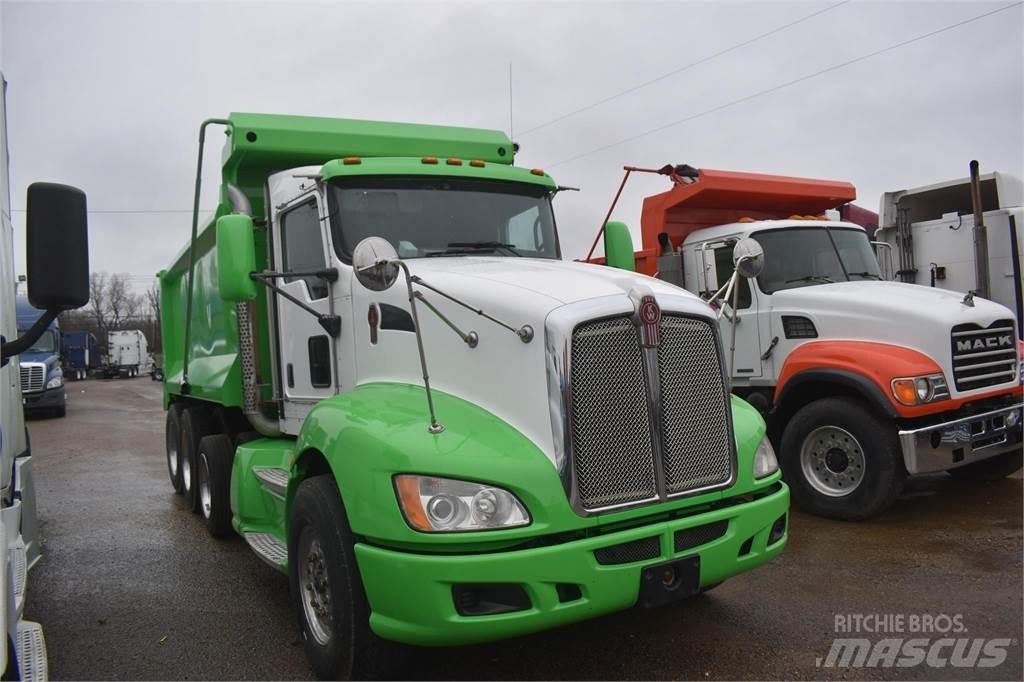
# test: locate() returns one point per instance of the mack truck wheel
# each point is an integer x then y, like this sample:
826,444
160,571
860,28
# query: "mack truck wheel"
840,460
333,613
194,425
213,476
172,441
991,469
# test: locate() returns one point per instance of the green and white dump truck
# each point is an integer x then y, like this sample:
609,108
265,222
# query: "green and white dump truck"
573,450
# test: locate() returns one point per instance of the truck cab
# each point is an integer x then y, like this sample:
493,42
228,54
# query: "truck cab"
42,374
862,381
390,384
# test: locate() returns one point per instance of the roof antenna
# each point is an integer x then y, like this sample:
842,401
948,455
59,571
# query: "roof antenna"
511,130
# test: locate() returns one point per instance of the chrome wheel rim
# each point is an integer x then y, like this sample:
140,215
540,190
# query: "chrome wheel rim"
186,474
172,458
205,496
314,588
832,461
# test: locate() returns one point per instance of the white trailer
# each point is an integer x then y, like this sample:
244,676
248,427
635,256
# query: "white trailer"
127,354
931,233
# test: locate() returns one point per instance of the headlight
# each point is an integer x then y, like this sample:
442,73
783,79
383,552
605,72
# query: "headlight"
920,390
765,462
432,505
57,380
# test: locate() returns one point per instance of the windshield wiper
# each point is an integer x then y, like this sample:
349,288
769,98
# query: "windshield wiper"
812,278
485,246
864,274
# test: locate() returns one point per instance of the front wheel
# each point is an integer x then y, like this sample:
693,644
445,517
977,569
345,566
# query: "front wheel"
840,460
333,613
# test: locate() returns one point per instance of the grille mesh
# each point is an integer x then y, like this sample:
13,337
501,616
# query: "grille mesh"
32,377
798,327
629,552
696,440
984,356
611,431
688,538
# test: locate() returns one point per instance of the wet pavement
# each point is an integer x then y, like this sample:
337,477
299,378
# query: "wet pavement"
131,587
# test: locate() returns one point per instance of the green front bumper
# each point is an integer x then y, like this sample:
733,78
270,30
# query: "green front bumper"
411,594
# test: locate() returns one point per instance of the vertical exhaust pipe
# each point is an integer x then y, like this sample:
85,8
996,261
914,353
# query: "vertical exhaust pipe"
981,281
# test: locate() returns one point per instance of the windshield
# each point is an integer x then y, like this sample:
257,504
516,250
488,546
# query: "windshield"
47,343
816,254
434,216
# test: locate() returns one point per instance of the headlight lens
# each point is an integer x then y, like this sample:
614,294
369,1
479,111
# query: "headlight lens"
57,380
765,462
920,390
433,505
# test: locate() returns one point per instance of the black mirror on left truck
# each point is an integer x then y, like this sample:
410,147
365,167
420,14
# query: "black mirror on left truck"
58,247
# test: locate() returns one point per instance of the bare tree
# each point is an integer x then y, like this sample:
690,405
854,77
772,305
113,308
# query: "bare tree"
98,300
153,299
117,299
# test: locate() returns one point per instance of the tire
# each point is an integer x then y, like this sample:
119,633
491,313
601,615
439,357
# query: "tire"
840,460
321,549
216,455
194,425
172,446
991,469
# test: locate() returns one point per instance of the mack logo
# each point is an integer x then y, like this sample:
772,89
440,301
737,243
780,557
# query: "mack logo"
650,317
1002,341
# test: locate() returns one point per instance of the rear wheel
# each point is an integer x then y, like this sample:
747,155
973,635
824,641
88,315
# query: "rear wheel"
194,425
840,460
172,441
991,469
216,455
333,613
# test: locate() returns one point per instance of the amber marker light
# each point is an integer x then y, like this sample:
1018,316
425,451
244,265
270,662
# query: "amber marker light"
351,161
409,495
537,171
454,162
428,159
477,163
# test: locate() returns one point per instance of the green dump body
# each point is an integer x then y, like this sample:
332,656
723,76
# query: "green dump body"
257,146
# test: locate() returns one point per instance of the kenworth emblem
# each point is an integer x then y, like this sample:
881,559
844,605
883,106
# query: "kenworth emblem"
988,343
650,317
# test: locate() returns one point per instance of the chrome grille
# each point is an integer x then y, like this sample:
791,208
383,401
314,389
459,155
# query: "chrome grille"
984,356
613,453
696,438
33,374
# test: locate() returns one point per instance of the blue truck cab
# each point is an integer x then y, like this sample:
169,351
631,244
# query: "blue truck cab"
80,353
42,379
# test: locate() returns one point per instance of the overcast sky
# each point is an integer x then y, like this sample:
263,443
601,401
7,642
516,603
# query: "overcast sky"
109,96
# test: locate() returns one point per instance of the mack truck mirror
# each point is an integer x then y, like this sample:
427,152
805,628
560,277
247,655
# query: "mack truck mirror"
236,258
57,248
748,256
374,261
618,246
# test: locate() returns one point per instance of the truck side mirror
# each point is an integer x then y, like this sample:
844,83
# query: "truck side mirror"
748,257
618,246
236,258
374,261
58,247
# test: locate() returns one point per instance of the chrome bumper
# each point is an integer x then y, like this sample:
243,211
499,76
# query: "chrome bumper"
952,444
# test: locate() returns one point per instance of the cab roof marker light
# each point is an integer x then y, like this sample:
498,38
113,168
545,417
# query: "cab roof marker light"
477,163
537,171
454,162
352,160
746,219
428,159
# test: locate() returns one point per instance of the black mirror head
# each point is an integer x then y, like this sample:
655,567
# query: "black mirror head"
58,246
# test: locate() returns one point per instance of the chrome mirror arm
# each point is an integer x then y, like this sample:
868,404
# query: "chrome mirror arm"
525,333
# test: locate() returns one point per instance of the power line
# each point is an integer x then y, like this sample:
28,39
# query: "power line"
784,85
153,210
681,69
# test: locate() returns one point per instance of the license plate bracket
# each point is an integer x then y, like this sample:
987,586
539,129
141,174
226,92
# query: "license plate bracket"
670,581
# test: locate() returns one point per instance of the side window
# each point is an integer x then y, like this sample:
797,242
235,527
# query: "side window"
724,268
319,348
302,246
524,232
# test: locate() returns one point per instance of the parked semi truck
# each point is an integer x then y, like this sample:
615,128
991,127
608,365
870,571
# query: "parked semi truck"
80,355
932,233
572,451
58,279
42,377
862,381
127,354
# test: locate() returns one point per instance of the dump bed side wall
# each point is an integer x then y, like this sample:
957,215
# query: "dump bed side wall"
214,372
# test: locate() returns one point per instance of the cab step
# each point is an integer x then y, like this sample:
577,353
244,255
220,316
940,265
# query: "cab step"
18,567
273,480
31,651
268,548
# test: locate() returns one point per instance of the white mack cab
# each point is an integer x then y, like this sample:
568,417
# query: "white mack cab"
862,381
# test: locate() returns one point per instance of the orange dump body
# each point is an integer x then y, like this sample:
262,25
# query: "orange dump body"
721,197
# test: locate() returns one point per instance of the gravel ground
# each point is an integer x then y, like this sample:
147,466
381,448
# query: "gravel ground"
131,587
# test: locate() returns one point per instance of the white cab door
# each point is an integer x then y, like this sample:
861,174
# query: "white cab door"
747,357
